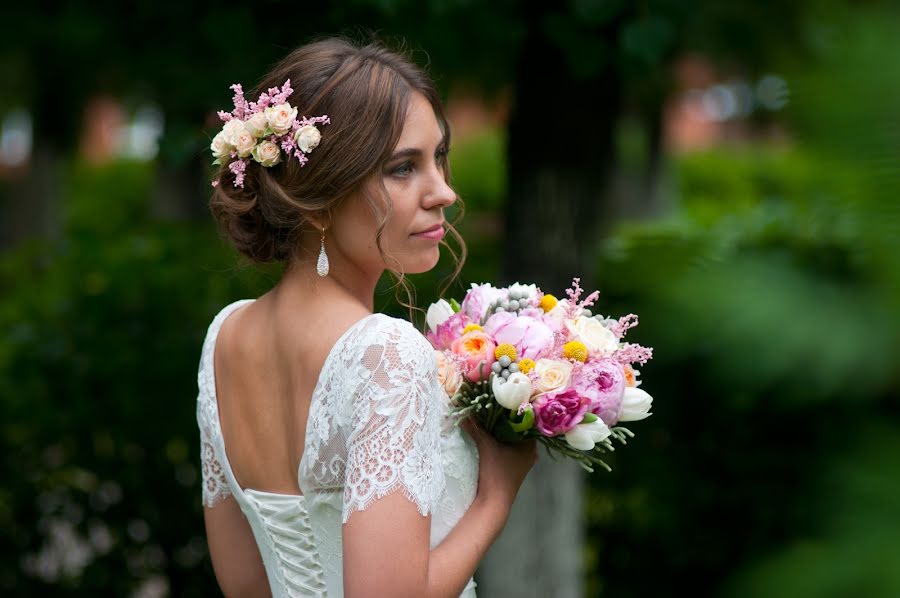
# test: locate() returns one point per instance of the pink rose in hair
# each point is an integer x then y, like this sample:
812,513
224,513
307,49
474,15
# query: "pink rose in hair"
558,412
603,383
531,337
448,331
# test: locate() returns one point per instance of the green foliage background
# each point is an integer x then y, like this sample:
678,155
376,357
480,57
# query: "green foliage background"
769,288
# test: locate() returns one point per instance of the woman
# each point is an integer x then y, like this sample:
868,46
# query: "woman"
343,475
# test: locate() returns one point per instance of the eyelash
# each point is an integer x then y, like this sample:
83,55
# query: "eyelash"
442,153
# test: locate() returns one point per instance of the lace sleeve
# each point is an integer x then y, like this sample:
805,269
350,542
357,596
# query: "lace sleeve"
215,482
215,485
394,436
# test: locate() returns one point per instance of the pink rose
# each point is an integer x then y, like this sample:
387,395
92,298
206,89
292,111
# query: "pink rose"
448,331
473,347
530,336
558,412
603,383
478,299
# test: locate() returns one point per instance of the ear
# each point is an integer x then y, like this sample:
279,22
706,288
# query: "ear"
319,221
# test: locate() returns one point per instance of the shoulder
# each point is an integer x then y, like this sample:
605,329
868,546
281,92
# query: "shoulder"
388,338
205,369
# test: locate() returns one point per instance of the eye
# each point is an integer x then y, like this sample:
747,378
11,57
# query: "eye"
403,170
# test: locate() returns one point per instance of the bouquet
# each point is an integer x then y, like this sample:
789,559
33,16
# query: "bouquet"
527,365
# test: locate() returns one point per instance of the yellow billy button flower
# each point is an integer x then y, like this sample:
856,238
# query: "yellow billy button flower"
526,365
548,302
471,327
505,349
575,350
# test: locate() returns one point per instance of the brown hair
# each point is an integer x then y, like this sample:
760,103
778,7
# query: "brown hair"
365,90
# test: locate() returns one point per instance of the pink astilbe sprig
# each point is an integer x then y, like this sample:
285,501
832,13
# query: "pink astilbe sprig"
630,353
237,167
241,107
623,325
575,306
273,97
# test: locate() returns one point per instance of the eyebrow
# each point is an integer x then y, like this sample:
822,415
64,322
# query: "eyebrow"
413,151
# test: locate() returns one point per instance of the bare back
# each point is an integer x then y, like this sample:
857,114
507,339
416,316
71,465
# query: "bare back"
267,363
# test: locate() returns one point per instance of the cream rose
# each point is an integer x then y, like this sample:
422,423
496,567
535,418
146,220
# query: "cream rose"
232,131
245,144
448,375
308,138
220,148
551,375
256,124
267,153
596,337
280,118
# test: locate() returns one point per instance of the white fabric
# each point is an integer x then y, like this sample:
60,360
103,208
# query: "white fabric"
377,424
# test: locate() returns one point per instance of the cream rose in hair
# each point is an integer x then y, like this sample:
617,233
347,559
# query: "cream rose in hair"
232,131
245,144
307,138
280,118
256,124
220,148
552,374
267,153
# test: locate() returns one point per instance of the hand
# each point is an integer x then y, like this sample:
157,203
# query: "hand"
502,466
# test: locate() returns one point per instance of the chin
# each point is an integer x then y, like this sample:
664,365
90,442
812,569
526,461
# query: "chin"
422,263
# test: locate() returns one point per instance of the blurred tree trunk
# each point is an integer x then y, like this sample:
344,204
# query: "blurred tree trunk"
560,154
31,205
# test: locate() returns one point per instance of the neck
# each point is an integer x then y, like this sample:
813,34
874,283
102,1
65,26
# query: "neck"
344,284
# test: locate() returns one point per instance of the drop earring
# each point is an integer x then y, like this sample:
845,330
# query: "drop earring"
322,263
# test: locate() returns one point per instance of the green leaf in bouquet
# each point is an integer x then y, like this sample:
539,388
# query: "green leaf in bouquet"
454,305
523,422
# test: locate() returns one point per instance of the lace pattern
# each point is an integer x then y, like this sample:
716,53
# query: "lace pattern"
375,427
215,482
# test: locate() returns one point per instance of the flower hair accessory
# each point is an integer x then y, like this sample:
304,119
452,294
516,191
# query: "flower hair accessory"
264,131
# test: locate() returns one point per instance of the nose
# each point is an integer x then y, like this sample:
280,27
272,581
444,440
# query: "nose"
440,194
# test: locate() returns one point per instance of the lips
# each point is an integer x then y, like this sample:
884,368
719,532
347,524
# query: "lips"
433,229
435,232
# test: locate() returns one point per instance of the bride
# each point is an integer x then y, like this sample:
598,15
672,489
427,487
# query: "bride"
329,465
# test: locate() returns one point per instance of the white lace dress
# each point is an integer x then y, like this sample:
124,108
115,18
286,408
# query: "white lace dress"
377,423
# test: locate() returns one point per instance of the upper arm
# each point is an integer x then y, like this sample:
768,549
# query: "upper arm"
232,548
393,475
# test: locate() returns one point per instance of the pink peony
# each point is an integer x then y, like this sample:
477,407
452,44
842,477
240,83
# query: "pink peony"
603,383
448,331
478,299
530,336
473,347
558,412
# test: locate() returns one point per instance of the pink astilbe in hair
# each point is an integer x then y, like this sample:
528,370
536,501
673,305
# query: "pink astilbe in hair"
237,167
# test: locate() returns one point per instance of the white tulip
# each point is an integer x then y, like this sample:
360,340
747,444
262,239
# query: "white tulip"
635,405
438,313
584,436
512,393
